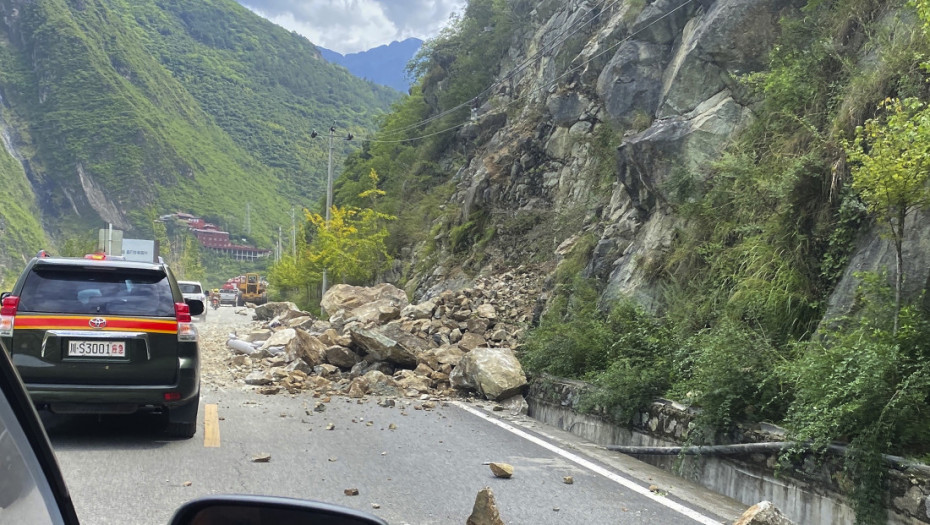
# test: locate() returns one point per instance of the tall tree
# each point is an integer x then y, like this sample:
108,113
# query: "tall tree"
190,266
891,158
351,245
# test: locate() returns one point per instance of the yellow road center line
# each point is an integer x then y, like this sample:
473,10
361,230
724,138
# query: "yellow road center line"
211,426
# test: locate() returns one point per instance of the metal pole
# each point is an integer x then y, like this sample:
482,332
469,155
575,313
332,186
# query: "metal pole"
293,234
329,195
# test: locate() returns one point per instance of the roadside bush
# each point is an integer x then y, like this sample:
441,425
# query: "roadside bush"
862,384
571,337
625,353
729,372
639,362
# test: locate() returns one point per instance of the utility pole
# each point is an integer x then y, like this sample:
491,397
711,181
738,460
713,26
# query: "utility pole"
329,190
329,196
293,234
248,218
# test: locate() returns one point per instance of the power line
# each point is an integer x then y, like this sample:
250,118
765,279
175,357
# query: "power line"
537,90
516,69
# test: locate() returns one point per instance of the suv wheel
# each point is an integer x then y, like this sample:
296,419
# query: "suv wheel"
182,420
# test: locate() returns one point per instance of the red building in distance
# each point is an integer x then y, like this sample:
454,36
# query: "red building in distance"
212,238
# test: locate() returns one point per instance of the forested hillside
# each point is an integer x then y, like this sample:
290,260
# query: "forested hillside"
709,192
119,111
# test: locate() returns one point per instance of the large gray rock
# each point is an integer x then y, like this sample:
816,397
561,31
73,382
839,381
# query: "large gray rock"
341,356
382,347
875,253
285,338
377,312
631,83
662,21
297,343
284,309
567,108
493,372
732,38
642,225
350,298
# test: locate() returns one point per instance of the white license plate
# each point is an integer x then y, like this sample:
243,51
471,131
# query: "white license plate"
96,349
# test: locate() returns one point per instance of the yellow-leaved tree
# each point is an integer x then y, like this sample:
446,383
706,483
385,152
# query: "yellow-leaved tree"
890,158
351,246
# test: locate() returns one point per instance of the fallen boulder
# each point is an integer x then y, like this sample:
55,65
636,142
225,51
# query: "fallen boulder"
297,343
382,385
382,347
349,298
341,356
485,511
763,513
493,372
284,310
423,310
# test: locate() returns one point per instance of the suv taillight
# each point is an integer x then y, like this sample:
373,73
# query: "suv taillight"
8,314
186,330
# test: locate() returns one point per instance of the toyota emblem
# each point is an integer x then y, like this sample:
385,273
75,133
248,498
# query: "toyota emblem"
98,323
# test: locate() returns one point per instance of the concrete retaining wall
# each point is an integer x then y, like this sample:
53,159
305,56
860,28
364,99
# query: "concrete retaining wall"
811,493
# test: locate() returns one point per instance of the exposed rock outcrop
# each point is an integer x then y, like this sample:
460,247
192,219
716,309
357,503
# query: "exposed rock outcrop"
665,77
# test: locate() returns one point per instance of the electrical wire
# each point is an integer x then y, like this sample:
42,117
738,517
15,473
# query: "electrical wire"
510,74
538,90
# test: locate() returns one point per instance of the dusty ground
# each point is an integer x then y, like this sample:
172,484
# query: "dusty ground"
216,369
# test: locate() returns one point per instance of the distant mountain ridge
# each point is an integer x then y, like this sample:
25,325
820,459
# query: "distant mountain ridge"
118,112
385,65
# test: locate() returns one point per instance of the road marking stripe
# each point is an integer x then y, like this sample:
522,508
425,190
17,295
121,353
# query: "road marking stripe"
211,426
677,507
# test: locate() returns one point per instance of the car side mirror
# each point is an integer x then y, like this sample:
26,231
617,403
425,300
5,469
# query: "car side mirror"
196,306
267,510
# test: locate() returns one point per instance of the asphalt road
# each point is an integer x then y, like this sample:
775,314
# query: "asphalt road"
413,466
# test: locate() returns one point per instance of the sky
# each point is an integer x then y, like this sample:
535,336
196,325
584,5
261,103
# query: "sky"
350,26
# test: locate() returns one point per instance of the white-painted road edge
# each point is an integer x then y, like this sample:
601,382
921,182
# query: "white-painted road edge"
671,505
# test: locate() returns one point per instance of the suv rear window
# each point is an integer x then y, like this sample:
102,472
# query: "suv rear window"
189,288
97,291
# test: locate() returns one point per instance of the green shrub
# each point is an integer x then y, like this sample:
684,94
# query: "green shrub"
626,353
866,386
728,371
571,336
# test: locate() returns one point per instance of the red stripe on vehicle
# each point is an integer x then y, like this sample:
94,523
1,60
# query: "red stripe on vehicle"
135,324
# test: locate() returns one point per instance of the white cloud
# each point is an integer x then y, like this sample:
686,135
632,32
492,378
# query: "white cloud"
348,26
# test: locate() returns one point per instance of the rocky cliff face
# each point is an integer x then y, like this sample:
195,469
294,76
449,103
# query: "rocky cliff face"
663,76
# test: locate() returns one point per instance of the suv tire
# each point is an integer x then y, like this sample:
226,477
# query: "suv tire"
182,420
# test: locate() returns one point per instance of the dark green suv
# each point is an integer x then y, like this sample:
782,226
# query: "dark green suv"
103,336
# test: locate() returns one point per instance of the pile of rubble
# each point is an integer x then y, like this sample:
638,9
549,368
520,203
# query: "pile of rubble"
376,343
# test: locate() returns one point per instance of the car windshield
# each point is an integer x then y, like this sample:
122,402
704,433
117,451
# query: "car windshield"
97,291
189,288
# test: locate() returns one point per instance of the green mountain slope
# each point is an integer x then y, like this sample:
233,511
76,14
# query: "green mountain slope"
266,87
122,109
